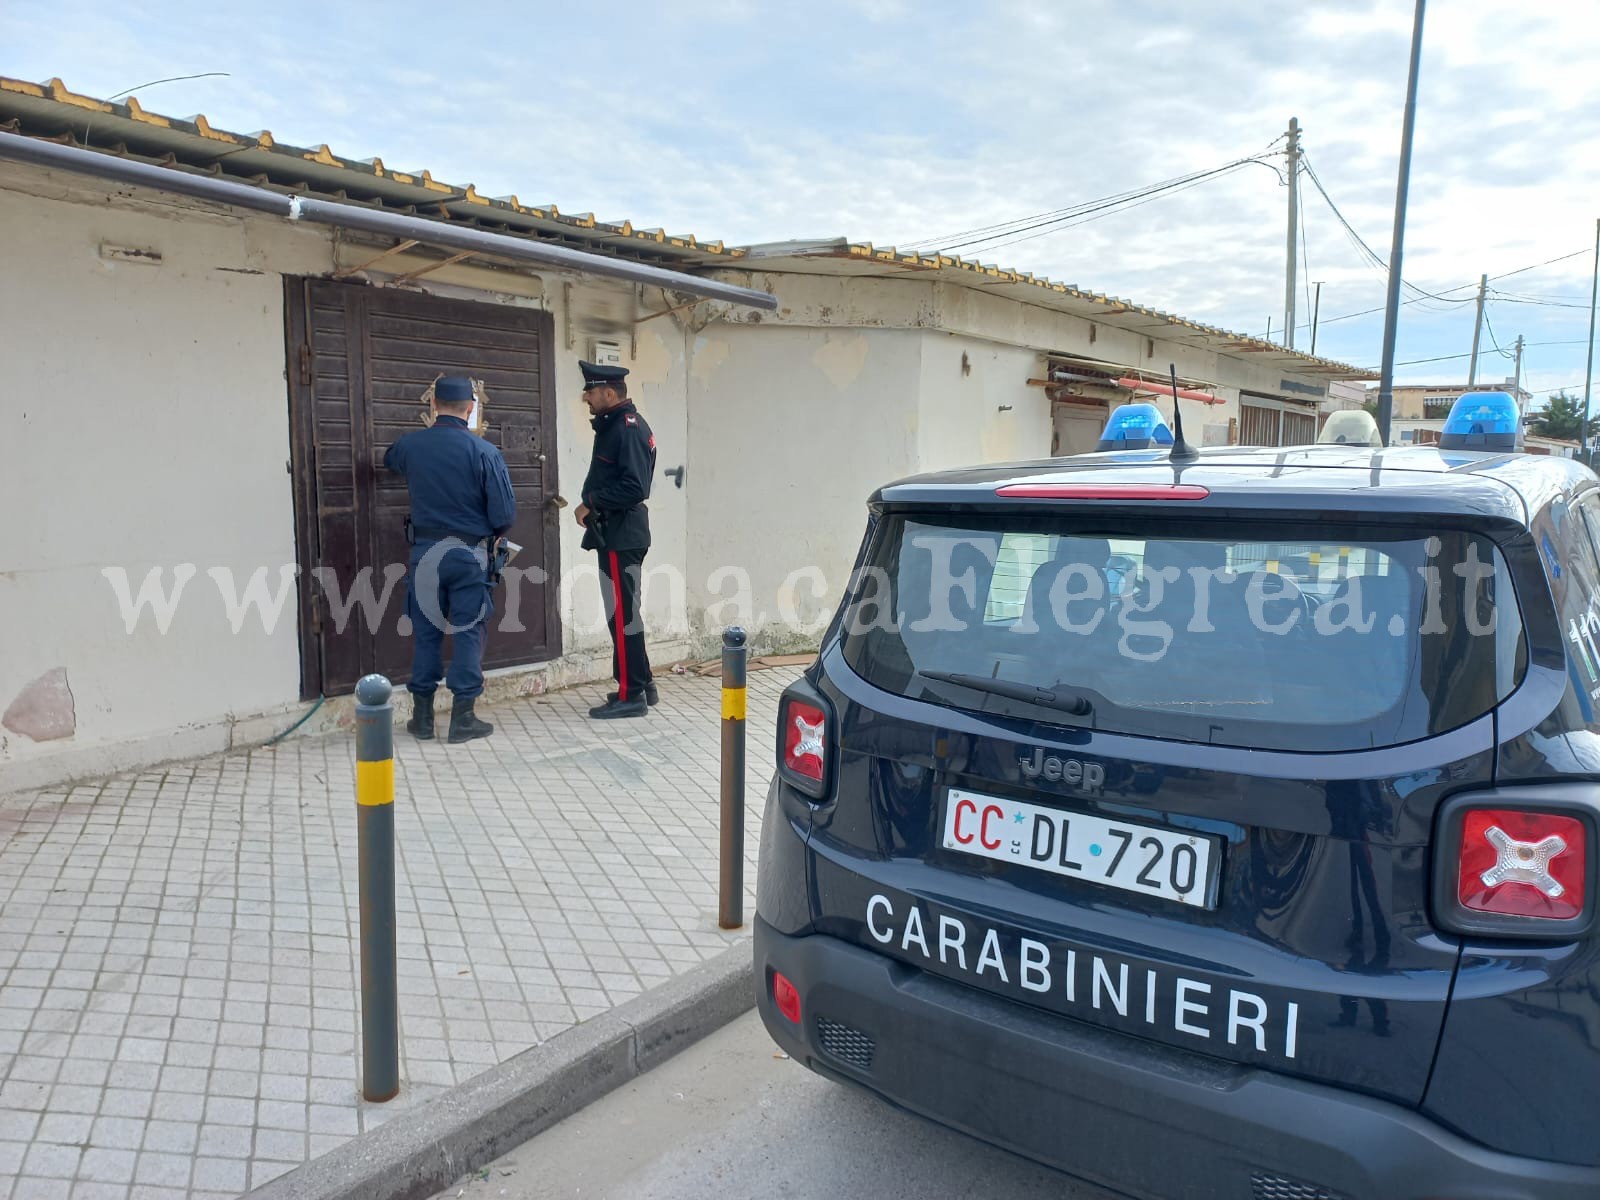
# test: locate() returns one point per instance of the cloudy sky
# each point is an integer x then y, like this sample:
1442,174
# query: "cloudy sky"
916,122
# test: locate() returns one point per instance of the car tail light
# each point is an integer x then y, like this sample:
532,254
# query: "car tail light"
786,997
803,740
1516,862
1523,864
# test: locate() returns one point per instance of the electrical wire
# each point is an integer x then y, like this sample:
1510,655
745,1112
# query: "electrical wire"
1371,254
1451,357
1130,199
1305,259
1506,298
1581,301
170,79
979,236
88,124
948,240
1367,312
1113,210
1547,262
1492,339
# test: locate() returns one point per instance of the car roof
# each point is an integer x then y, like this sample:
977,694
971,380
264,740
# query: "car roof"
1322,477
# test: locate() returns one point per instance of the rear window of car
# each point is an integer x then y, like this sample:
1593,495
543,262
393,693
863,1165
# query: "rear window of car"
1280,635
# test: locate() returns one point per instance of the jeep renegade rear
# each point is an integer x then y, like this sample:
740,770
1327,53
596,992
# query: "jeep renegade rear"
1223,830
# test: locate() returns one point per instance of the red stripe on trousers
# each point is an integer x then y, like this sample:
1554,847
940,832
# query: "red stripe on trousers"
622,646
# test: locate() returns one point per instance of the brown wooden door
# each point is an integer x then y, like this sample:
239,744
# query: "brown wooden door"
361,358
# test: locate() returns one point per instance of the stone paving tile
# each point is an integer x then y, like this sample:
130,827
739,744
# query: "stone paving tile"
179,980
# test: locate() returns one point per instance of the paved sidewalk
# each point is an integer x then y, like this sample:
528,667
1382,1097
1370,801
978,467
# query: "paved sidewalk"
179,947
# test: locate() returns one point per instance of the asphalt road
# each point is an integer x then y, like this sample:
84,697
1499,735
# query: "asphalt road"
732,1118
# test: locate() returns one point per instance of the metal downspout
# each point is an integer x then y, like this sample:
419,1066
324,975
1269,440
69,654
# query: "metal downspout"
19,148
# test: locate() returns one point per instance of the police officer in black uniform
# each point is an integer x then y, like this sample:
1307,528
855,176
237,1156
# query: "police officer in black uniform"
617,526
461,505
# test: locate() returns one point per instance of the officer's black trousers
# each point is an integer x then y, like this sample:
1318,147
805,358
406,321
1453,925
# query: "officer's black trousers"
620,572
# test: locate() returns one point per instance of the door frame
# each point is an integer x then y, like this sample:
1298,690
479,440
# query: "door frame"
302,468
300,372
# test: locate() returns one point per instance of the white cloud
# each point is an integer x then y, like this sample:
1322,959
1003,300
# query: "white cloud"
891,121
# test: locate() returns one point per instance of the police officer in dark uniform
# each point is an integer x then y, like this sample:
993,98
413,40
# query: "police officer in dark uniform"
461,505
617,526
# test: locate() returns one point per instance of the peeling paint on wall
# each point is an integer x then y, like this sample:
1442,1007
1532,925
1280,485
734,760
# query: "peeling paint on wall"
44,710
841,358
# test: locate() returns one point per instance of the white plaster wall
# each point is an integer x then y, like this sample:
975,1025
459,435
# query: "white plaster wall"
791,430
146,418
913,301
658,383
966,383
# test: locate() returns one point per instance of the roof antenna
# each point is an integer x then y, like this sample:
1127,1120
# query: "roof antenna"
1182,452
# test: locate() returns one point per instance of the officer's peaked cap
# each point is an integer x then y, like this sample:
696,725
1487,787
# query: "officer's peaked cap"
452,389
594,374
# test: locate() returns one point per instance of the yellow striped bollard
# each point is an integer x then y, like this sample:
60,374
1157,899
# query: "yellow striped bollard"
380,1018
730,906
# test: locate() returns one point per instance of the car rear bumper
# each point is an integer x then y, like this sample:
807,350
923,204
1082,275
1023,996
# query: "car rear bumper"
1120,1111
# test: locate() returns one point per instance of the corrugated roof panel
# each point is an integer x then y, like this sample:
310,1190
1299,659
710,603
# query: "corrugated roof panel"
957,264
323,155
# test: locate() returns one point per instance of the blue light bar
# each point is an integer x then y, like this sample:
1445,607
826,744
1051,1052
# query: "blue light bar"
1482,421
1135,427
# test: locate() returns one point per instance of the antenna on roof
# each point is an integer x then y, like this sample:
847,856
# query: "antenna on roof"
1181,450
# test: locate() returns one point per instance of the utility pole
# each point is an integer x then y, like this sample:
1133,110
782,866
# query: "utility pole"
1477,328
1516,388
1391,316
1316,308
1588,370
1292,153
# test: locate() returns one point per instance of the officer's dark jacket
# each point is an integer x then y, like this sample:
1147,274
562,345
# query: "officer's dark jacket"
618,482
458,481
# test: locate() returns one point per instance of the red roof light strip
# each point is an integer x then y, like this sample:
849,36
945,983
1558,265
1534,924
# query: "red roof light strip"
1103,491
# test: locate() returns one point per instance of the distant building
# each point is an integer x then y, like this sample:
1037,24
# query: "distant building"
1344,394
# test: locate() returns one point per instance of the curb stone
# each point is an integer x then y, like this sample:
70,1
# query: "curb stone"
422,1152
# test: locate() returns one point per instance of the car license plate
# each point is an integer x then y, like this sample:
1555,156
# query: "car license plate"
1147,859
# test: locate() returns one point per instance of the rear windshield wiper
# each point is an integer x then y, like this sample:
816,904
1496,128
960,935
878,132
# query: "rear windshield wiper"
1068,702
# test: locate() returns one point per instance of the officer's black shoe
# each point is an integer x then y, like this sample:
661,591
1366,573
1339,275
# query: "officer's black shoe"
649,694
421,724
613,709
464,723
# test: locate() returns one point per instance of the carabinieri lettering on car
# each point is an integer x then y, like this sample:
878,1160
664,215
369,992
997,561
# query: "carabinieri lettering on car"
1186,1006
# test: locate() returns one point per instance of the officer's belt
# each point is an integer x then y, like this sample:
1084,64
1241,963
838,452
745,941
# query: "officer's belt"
421,534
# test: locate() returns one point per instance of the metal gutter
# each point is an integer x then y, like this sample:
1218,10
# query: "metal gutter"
19,148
